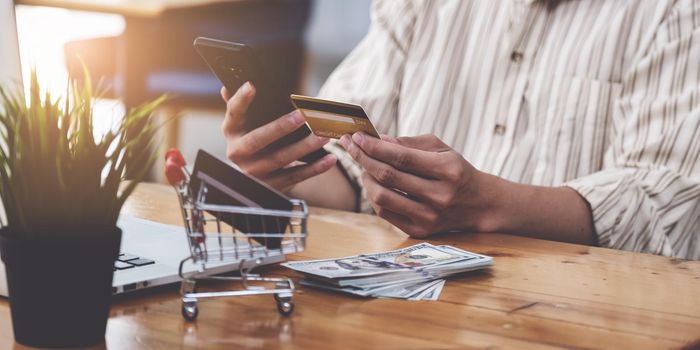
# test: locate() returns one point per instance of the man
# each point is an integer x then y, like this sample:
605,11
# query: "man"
574,121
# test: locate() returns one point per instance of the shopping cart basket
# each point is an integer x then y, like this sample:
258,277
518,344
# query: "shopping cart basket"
212,239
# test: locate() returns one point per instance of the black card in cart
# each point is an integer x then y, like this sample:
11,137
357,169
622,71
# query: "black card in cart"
240,189
333,119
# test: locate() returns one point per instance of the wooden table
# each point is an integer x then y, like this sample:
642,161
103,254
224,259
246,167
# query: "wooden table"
539,294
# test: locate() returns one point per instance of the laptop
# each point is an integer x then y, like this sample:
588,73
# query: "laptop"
150,252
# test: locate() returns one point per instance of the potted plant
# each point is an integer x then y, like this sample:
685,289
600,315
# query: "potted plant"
61,187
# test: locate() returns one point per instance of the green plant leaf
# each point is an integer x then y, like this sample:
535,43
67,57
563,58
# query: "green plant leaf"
55,176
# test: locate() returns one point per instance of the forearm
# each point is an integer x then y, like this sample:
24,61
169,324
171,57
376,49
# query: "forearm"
553,213
329,190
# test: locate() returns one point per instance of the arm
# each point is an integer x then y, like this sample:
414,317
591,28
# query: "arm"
329,190
442,192
553,213
322,183
646,198
356,80
278,167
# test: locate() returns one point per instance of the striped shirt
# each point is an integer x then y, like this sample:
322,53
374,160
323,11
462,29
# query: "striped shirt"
600,96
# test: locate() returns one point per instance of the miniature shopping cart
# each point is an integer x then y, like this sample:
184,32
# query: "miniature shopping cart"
213,239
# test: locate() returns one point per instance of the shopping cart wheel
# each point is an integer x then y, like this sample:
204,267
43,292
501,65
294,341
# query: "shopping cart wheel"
285,308
190,311
282,297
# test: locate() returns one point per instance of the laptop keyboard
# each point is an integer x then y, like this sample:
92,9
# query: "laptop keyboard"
130,261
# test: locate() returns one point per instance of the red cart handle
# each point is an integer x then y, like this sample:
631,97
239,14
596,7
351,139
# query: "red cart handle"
174,167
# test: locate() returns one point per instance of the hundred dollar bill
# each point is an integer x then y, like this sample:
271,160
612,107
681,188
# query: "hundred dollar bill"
403,290
415,257
415,273
426,274
432,293
397,290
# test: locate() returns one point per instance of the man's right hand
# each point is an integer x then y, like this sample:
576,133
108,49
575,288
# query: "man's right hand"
277,167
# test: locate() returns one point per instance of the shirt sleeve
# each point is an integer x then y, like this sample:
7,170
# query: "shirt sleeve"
371,75
647,196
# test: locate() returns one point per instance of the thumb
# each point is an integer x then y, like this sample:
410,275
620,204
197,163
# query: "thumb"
237,106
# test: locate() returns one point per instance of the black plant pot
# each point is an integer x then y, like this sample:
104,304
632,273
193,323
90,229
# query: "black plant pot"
59,287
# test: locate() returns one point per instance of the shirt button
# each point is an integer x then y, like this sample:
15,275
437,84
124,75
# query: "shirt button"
499,129
516,56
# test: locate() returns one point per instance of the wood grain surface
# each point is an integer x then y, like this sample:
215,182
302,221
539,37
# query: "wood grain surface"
539,294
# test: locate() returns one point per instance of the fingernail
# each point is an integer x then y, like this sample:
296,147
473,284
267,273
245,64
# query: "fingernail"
358,138
345,141
247,88
388,138
329,159
296,118
323,140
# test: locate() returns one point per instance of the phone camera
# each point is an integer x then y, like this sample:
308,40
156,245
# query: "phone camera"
237,72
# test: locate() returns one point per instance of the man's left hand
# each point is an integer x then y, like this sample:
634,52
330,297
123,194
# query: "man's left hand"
419,184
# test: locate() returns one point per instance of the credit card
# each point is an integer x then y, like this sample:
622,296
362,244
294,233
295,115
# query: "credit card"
333,119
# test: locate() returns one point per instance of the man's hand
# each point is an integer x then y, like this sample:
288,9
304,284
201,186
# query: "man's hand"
277,167
419,184
422,186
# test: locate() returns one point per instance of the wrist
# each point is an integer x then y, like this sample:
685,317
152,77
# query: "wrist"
491,199
495,203
556,213
328,190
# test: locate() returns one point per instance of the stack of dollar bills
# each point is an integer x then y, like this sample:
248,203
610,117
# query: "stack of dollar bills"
417,272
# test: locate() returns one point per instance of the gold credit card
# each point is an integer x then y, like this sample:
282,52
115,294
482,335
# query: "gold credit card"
333,119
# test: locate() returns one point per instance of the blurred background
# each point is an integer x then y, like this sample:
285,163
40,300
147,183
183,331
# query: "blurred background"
140,49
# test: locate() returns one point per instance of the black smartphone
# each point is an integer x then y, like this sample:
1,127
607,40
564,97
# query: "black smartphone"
234,64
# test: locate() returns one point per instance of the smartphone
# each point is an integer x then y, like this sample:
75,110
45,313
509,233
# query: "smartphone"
234,64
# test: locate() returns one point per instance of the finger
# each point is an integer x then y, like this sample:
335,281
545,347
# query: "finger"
389,176
411,160
389,138
384,198
402,222
236,108
225,94
281,157
287,177
426,142
255,141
